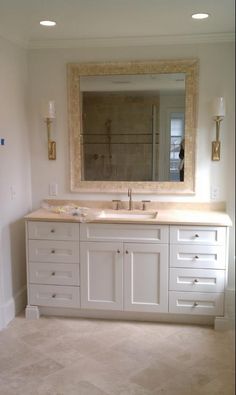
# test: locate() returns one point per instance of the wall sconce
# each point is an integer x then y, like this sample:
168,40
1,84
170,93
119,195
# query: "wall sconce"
48,113
218,112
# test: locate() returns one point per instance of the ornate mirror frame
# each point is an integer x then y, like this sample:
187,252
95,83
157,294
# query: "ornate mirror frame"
75,70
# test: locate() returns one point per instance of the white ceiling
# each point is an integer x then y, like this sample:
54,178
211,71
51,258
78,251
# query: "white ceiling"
124,21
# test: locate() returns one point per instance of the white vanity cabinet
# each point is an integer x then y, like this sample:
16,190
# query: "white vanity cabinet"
197,270
163,270
124,267
53,264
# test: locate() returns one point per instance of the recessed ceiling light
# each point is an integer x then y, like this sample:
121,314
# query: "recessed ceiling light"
47,23
201,15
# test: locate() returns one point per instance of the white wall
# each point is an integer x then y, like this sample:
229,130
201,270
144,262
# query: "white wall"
15,188
48,79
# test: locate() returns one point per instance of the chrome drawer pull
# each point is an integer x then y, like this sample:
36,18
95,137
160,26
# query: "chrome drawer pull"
53,273
53,252
195,304
53,295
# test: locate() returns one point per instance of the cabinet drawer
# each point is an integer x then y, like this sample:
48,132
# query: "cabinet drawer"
53,273
206,257
54,295
124,232
197,280
53,251
196,303
53,230
197,235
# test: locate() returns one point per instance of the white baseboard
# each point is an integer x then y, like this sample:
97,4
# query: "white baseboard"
230,302
228,321
12,307
224,323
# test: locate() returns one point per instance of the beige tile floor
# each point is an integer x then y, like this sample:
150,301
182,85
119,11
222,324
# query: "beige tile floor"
65,356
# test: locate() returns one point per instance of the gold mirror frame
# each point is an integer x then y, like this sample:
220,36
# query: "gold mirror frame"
75,70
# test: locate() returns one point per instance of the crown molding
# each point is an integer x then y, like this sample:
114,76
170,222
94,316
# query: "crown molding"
90,42
14,41
132,41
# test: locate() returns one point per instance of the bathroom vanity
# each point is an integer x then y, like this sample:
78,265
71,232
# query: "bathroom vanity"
155,268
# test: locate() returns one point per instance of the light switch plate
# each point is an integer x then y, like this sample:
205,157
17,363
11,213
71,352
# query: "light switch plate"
53,189
215,192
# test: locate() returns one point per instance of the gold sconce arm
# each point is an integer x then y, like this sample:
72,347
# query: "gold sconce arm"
215,153
51,144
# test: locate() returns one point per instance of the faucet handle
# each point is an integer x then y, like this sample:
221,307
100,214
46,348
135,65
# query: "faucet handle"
144,203
117,201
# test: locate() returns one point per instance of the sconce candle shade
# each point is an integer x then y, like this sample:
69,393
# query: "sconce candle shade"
48,109
218,107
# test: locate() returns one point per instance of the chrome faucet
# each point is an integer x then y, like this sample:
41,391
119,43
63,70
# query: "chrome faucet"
130,199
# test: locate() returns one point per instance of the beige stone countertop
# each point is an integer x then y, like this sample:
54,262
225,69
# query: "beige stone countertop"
164,216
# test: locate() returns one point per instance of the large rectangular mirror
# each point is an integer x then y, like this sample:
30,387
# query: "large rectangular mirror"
132,125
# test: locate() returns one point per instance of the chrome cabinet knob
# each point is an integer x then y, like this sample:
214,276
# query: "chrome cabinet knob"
196,236
196,280
118,251
196,257
53,273
53,252
126,251
52,230
53,295
195,304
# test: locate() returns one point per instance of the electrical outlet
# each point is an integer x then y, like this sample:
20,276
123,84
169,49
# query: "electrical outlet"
53,189
12,192
215,192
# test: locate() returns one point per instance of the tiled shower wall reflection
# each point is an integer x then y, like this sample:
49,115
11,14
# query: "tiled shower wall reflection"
118,136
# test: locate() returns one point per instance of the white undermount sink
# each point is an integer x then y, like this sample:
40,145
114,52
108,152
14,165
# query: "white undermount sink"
128,215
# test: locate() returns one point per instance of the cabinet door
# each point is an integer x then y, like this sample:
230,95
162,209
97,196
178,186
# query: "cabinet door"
102,275
146,277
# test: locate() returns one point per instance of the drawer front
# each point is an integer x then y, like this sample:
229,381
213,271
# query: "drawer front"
196,303
54,295
197,280
53,251
53,230
54,273
197,235
189,256
124,232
